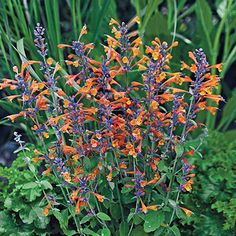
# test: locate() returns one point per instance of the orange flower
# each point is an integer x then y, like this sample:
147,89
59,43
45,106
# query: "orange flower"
109,176
113,22
66,176
217,66
37,159
68,150
77,206
13,117
123,166
143,207
187,212
74,194
47,208
98,196
188,185
47,172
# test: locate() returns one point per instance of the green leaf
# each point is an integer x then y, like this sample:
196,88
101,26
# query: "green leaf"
105,232
175,230
21,50
150,8
89,232
115,211
124,229
103,216
159,23
130,216
32,168
179,150
159,231
138,231
204,14
46,184
85,219
29,185
62,218
8,203
153,220
229,113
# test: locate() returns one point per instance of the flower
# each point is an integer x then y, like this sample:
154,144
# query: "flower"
186,211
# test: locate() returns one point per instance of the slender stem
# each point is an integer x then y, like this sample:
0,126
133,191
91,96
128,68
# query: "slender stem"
119,199
132,225
174,210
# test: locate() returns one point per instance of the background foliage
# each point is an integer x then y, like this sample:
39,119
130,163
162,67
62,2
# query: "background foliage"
207,24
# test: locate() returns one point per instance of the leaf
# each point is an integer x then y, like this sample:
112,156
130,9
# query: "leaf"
85,219
20,49
179,150
8,203
89,232
229,113
150,8
105,232
138,231
124,229
115,211
62,218
175,230
103,216
159,231
206,13
222,7
130,216
29,185
32,168
159,23
153,220
46,184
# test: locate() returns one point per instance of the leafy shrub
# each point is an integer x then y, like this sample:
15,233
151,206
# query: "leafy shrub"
114,140
21,195
214,199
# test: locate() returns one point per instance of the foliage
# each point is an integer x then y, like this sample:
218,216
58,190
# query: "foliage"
115,151
21,197
213,200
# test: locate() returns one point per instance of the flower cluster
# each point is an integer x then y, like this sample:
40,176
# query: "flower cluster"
115,123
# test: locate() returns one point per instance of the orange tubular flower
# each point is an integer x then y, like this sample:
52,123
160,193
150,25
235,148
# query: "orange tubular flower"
13,117
47,208
98,196
145,208
68,150
66,176
186,211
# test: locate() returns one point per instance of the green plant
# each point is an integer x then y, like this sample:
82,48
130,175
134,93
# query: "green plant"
20,200
214,198
118,154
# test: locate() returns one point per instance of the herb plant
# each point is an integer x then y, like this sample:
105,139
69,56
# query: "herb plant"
113,134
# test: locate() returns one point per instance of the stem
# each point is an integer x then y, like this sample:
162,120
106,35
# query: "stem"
171,180
132,225
174,210
119,199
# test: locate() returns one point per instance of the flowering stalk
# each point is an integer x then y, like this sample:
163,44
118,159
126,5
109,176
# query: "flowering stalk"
111,133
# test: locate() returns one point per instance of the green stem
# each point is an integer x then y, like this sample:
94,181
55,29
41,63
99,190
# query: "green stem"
174,210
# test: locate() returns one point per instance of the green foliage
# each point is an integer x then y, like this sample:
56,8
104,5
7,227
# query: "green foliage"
20,201
214,199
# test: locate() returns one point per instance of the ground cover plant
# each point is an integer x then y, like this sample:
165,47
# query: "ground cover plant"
113,133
